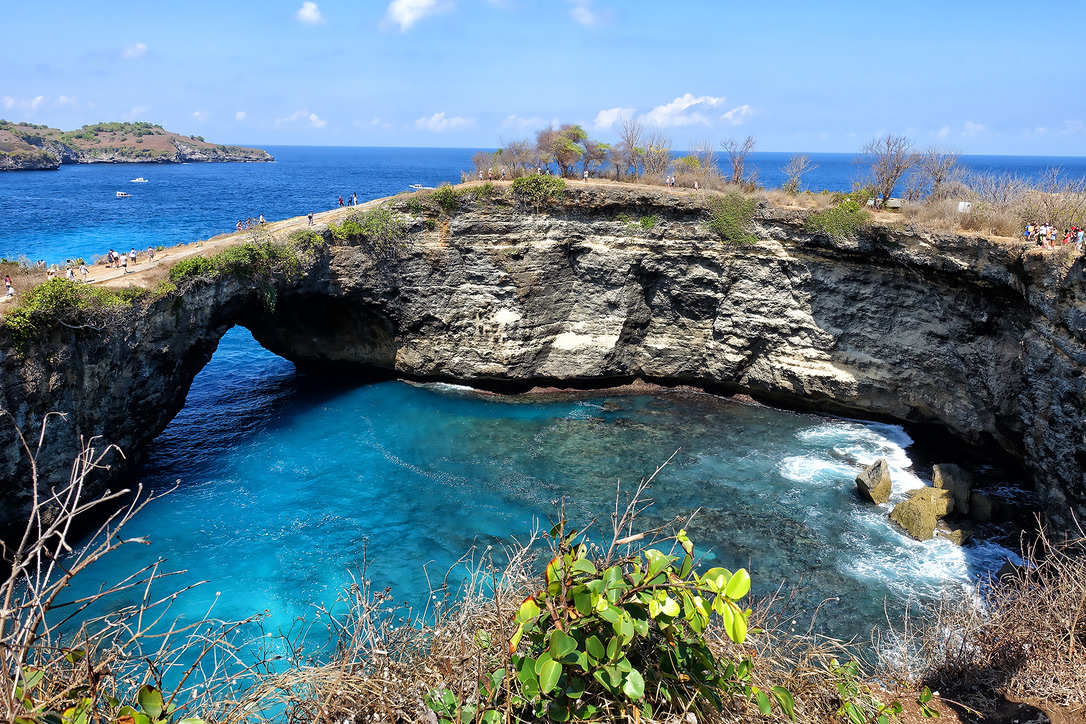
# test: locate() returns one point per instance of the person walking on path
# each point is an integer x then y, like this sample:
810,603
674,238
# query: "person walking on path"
586,175
132,255
83,272
262,219
124,262
7,283
311,218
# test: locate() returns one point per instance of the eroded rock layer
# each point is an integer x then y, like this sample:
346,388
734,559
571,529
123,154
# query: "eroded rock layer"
982,338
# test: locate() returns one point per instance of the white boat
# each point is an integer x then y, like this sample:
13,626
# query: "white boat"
140,180
122,194
420,187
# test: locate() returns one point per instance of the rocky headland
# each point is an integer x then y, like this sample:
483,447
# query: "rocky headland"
29,147
983,339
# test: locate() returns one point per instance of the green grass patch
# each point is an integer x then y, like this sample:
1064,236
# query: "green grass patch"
843,221
380,225
539,190
731,218
63,303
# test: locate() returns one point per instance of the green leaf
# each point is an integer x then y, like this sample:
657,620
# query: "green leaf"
482,639
582,601
529,609
31,678
543,658
150,700
549,673
784,698
739,585
763,704
491,717
561,644
595,649
614,648
583,565
575,689
74,656
735,623
557,711
657,563
670,607
634,685
191,720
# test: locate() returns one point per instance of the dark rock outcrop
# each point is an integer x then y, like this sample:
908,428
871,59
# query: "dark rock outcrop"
986,339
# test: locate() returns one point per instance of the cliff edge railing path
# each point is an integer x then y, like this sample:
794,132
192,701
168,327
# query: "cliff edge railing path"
985,339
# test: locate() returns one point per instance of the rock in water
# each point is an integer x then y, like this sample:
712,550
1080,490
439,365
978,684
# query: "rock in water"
955,481
981,506
920,512
874,482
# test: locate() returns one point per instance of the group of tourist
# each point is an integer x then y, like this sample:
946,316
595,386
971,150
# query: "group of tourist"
250,223
1049,236
352,200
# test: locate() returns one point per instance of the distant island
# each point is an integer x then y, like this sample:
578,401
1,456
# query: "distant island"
28,147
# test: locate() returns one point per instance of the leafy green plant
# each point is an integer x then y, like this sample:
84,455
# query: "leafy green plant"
380,225
447,199
539,190
62,303
623,638
731,217
843,221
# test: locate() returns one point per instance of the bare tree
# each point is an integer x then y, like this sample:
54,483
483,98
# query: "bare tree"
889,157
630,151
935,167
595,154
738,152
517,155
798,165
657,154
700,164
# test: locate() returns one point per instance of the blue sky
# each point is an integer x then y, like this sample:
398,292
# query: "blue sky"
984,77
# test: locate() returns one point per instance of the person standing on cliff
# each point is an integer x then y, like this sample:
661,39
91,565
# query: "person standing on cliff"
311,218
341,201
124,262
7,283
83,272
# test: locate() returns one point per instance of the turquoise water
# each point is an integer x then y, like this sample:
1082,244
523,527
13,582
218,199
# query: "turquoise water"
286,482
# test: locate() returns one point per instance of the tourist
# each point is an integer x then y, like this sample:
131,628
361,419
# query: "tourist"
696,186
238,227
311,218
69,274
151,253
480,174
1078,244
83,272
586,175
110,258
356,198
503,173
132,255
262,219
124,262
7,283
341,201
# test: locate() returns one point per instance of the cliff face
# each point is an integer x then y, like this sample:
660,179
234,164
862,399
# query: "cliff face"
982,338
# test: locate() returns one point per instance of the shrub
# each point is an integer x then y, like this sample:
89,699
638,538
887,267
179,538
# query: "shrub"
731,217
380,225
843,221
447,199
624,638
59,302
539,190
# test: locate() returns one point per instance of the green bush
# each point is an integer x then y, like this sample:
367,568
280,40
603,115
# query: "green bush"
539,190
731,217
380,225
59,302
446,198
843,221
621,640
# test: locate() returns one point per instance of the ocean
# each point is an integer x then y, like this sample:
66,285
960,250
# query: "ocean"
283,485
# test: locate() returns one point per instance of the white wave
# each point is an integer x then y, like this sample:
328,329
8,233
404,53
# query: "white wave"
812,469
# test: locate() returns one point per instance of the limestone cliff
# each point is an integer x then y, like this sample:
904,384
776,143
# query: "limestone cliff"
983,338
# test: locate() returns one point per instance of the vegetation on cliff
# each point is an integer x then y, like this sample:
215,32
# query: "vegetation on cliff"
380,225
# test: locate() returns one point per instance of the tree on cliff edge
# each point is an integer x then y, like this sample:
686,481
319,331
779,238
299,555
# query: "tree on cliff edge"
889,157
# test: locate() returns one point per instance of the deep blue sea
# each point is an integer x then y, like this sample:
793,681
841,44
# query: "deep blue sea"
286,483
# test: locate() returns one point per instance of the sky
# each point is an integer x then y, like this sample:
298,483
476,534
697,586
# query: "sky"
989,77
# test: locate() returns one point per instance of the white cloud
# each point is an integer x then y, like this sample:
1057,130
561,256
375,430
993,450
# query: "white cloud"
134,52
136,113
201,116
523,124
239,116
608,118
406,13
439,122
27,105
680,111
309,14
971,129
943,132
295,118
736,116
587,15
1073,127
